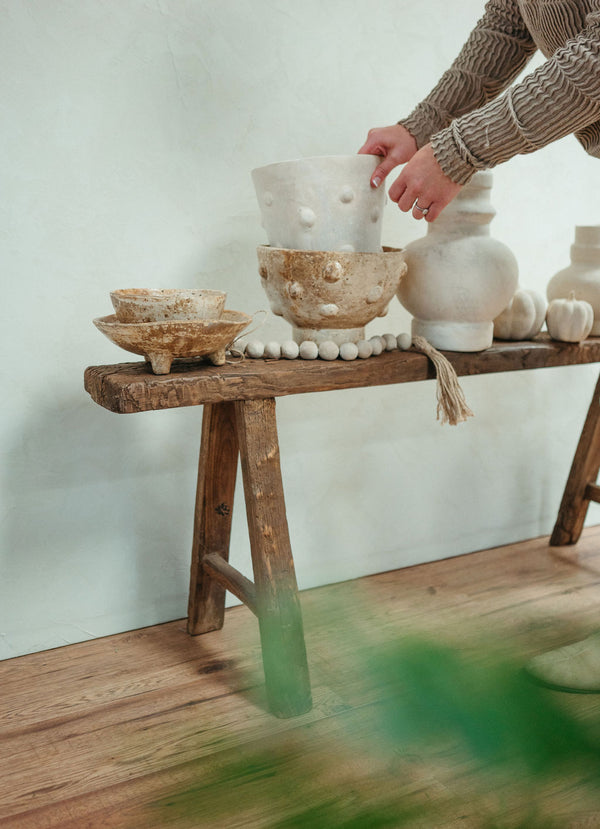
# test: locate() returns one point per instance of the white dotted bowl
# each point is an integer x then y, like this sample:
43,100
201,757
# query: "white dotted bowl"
323,203
327,295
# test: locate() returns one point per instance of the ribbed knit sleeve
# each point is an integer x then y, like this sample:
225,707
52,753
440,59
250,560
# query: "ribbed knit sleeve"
561,97
497,49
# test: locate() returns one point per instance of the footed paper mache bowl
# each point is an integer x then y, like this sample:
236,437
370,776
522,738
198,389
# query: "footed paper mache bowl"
327,295
161,342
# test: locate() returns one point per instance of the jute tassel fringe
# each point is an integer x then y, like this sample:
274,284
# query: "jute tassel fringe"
451,404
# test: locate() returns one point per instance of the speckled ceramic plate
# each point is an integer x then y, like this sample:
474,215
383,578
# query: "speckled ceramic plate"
161,342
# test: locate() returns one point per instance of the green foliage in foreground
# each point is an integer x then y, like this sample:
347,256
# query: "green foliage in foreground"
514,738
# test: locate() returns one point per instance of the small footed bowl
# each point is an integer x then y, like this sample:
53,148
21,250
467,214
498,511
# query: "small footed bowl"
154,304
161,342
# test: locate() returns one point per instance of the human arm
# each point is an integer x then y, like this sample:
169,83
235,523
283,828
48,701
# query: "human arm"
560,97
495,52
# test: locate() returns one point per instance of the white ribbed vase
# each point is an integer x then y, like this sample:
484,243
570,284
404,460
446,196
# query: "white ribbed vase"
459,278
582,276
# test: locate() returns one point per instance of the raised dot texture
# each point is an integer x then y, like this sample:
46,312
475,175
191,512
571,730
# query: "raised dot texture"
346,194
375,294
268,198
263,272
295,290
329,310
309,350
307,217
332,272
349,351
328,350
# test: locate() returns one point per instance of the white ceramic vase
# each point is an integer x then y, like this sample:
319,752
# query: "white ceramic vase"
323,203
582,276
459,278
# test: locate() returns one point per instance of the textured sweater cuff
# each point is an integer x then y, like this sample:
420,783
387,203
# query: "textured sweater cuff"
422,122
453,156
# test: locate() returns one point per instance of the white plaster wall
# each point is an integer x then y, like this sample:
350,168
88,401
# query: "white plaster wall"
129,130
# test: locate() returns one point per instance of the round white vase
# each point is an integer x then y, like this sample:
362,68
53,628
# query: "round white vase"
323,203
582,276
459,278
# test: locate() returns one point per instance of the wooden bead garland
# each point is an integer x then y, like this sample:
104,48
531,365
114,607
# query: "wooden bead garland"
328,350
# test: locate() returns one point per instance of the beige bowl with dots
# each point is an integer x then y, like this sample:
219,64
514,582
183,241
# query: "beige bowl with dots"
328,295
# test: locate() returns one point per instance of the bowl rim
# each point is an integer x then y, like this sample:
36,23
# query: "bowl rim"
319,159
164,293
233,318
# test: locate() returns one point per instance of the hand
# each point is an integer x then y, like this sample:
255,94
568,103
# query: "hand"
422,182
394,143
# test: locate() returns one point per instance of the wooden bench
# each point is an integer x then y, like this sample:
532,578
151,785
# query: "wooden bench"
239,419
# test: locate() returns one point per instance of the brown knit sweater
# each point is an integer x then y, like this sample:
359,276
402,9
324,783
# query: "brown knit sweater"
471,128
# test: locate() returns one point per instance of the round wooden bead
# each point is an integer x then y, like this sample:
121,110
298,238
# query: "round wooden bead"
377,345
365,349
328,350
255,349
273,350
289,350
404,341
309,350
349,351
389,342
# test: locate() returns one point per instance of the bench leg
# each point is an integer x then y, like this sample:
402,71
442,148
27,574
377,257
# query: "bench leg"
580,483
278,604
217,470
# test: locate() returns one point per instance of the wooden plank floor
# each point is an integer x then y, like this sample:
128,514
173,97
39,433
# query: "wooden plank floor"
106,733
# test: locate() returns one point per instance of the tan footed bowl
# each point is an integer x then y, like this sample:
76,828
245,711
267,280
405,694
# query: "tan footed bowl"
330,295
161,342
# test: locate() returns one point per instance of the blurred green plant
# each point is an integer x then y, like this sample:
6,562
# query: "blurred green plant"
475,712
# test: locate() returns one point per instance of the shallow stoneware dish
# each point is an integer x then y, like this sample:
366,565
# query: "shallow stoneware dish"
327,295
321,203
156,304
161,342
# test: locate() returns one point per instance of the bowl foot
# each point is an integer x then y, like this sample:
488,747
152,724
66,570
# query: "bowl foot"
160,362
218,358
337,335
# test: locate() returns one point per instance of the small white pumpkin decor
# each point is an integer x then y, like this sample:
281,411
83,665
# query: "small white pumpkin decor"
569,320
523,317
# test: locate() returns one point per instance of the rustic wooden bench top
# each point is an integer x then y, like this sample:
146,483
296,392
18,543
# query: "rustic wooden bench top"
239,421
126,388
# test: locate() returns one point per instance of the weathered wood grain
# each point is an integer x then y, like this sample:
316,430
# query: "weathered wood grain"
217,470
91,734
234,581
278,604
131,387
584,471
